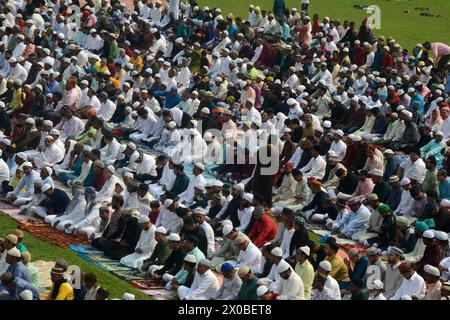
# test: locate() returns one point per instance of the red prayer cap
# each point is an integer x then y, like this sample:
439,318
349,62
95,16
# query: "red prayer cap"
404,267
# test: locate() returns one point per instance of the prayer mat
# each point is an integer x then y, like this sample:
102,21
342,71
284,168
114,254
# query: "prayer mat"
44,268
45,232
104,262
147,284
129,275
160,294
84,248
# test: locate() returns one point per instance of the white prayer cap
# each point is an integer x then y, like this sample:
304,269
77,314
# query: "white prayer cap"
161,230
262,290
411,90
429,234
168,203
440,235
227,229
49,170
327,124
54,132
23,155
128,174
2,105
401,92
217,183
339,132
377,284
277,252
376,173
14,252
248,197
407,113
128,296
156,109
131,145
388,151
111,168
432,270
27,164
325,265
291,101
200,210
207,136
26,295
205,262
200,166
143,219
283,266
46,187
190,258
439,133
30,121
225,222
205,110
174,237
405,181
306,250
445,203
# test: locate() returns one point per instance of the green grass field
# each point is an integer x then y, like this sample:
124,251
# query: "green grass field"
42,250
407,28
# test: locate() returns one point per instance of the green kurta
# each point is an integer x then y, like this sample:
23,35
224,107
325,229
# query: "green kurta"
34,275
160,254
181,183
248,290
430,178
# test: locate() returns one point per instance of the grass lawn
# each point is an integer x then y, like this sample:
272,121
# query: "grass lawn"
42,250
407,28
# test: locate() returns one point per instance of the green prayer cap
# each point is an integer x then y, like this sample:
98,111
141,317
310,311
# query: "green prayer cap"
384,208
421,226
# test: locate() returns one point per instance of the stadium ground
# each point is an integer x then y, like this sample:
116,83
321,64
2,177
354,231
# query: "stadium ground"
408,28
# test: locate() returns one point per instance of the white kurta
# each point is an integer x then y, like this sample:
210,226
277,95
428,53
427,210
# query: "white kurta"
291,288
251,257
49,157
169,220
146,243
187,196
412,286
209,232
107,191
204,287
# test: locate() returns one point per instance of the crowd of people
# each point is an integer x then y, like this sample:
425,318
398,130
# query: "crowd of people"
196,146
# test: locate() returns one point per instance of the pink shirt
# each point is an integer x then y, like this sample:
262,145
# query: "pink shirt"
439,50
363,189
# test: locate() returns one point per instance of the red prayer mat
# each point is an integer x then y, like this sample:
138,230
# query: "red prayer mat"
147,284
45,232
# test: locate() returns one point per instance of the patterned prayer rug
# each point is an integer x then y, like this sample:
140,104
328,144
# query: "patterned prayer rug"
147,284
45,232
